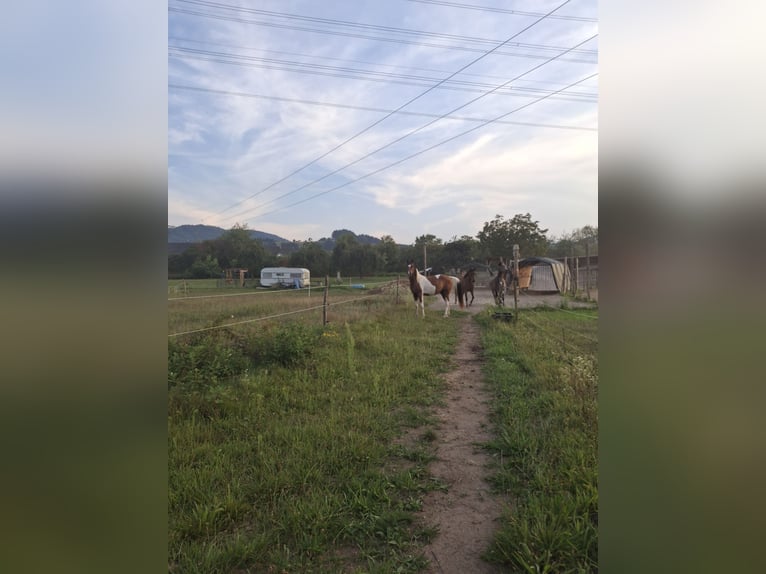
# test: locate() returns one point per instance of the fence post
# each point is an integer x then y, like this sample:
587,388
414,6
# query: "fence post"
515,283
577,274
397,289
324,303
587,270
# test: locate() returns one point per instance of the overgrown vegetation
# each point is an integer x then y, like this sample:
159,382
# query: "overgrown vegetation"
281,441
543,371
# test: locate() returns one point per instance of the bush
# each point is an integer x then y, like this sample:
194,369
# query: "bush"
201,362
285,345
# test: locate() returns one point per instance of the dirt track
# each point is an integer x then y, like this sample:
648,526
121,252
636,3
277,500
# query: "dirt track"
466,514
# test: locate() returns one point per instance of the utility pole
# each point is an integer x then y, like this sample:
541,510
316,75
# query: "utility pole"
425,264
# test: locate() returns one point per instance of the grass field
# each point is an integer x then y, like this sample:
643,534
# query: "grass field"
282,433
543,372
282,453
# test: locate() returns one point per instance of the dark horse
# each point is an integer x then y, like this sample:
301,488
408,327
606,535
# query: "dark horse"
499,284
421,285
467,282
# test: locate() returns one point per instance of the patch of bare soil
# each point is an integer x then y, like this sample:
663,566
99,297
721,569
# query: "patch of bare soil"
466,514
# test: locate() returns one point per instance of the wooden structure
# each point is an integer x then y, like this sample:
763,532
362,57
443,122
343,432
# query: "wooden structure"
234,276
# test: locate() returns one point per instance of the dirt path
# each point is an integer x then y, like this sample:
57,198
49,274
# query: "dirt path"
466,515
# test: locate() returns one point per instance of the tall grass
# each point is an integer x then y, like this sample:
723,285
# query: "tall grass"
281,439
544,374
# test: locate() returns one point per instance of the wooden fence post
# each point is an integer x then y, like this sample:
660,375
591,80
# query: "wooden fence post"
515,283
572,275
324,303
577,274
587,270
397,289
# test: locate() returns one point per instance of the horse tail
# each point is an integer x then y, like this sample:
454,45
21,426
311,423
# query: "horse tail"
460,294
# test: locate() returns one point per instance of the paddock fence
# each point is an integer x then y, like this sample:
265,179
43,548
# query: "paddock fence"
190,314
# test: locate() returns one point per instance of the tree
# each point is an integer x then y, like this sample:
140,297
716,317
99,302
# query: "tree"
313,257
458,252
235,248
498,237
434,248
204,268
573,244
388,253
428,240
365,258
342,254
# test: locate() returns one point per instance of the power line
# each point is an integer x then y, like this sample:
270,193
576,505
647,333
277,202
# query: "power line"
353,25
377,122
502,10
341,33
421,128
380,64
371,109
377,171
356,74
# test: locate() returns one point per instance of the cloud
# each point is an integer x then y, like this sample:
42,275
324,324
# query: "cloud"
493,173
224,149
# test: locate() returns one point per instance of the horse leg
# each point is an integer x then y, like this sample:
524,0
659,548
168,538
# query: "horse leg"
446,303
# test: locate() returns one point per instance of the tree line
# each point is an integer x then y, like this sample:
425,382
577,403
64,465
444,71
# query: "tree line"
355,256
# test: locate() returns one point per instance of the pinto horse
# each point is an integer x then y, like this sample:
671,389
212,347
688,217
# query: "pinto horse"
421,285
457,288
467,282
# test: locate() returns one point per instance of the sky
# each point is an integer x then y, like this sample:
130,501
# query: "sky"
400,118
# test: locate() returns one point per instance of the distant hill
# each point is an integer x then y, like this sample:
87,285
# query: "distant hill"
369,239
181,236
199,233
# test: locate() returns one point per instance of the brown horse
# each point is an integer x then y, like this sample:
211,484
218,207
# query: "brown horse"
421,285
467,282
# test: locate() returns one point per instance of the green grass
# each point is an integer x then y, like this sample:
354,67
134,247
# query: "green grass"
543,371
297,447
282,438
